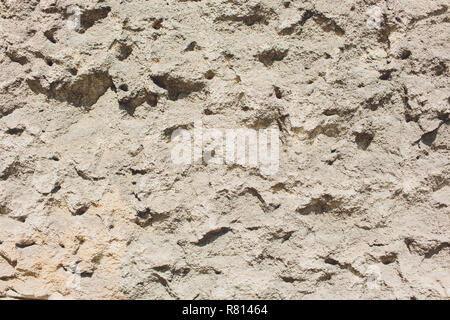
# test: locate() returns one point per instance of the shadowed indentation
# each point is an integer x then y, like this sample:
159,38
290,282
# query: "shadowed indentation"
212,236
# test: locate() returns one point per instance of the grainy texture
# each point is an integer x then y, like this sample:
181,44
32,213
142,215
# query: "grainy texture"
91,205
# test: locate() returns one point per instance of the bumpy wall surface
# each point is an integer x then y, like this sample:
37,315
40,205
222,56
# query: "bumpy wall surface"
94,205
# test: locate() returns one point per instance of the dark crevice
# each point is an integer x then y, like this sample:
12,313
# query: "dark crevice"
377,101
84,90
363,140
87,274
436,250
12,263
146,218
405,54
284,236
81,211
10,171
85,176
133,101
440,69
254,15
157,24
268,57
163,268
324,204
212,236
90,17
124,52
442,10
343,266
252,191
4,210
177,88
192,46
290,279
16,57
429,137
325,277
331,261
277,91
142,172
389,258
25,244
165,284
328,24
15,131
408,110
386,75
209,75
50,35
55,189
426,251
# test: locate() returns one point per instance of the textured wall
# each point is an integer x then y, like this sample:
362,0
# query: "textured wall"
92,204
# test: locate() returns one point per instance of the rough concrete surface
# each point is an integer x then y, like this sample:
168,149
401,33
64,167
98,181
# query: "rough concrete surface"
92,205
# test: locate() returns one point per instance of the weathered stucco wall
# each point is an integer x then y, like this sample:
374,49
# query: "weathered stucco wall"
92,204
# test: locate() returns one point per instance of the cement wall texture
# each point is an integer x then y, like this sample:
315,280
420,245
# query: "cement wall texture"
224,149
